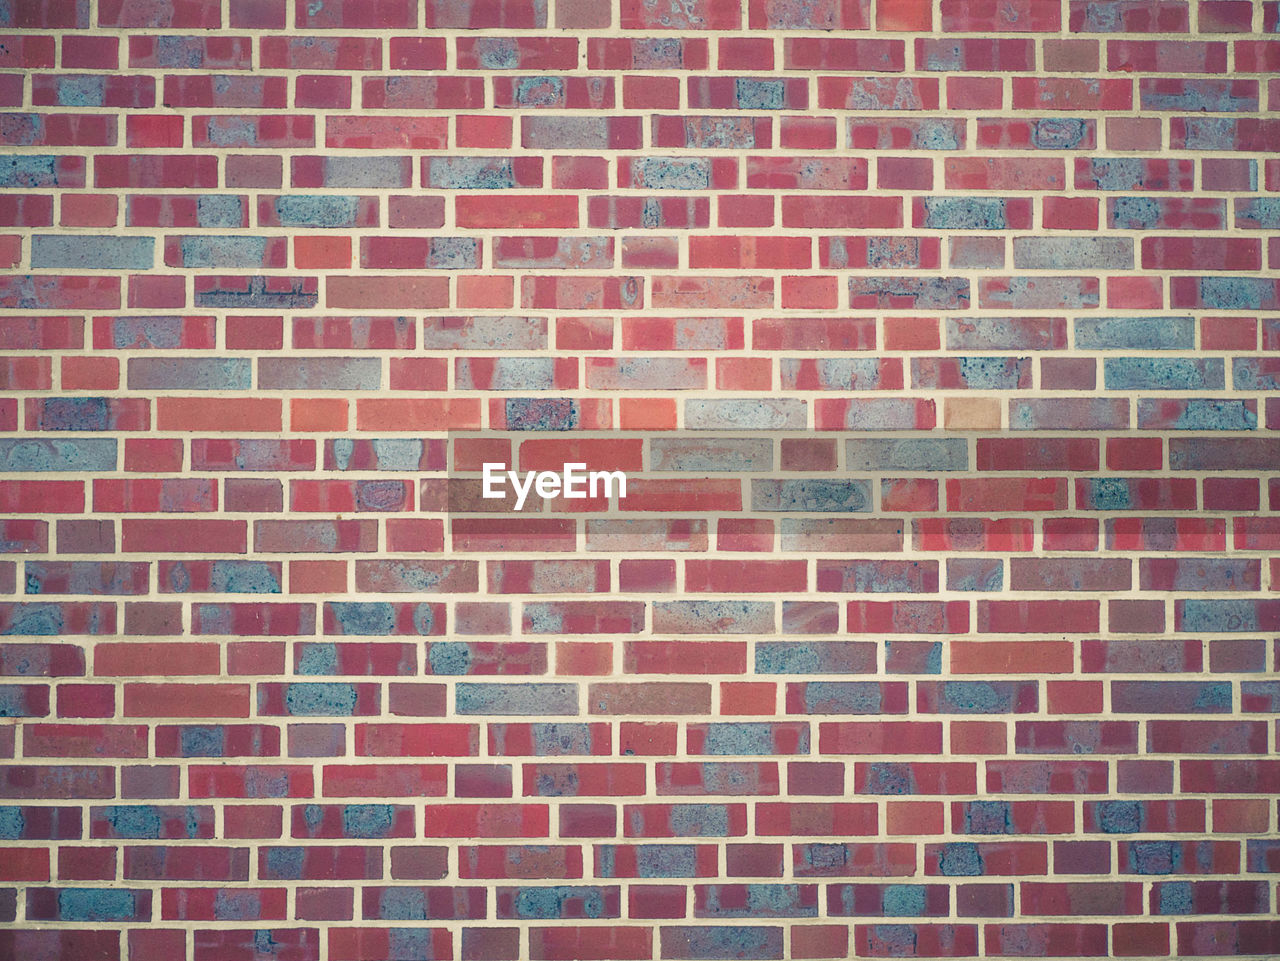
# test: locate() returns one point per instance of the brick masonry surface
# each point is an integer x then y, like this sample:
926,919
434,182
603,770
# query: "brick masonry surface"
941,342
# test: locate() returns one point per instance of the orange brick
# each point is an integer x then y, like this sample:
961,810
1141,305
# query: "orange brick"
318,252
905,15
588,658
647,413
317,577
318,413
486,291
914,817
748,697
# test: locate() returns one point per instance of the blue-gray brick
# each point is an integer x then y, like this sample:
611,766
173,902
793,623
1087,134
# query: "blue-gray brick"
1164,373
189,373
92,252
964,213
31,170
1258,213
811,494
710,454
209,250
753,414
85,454
1072,253
907,454
310,210
523,699
319,373
1135,333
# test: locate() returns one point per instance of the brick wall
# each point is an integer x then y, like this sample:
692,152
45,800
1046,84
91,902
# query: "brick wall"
941,341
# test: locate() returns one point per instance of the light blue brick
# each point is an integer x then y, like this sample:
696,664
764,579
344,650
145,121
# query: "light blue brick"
220,210
1135,333
965,213
309,210
892,454
189,373
1164,373
1072,253
92,252
205,250
29,170
810,494
1258,213
1255,373
671,173
87,454
523,699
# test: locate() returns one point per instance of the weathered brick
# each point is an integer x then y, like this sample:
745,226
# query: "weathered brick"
578,277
